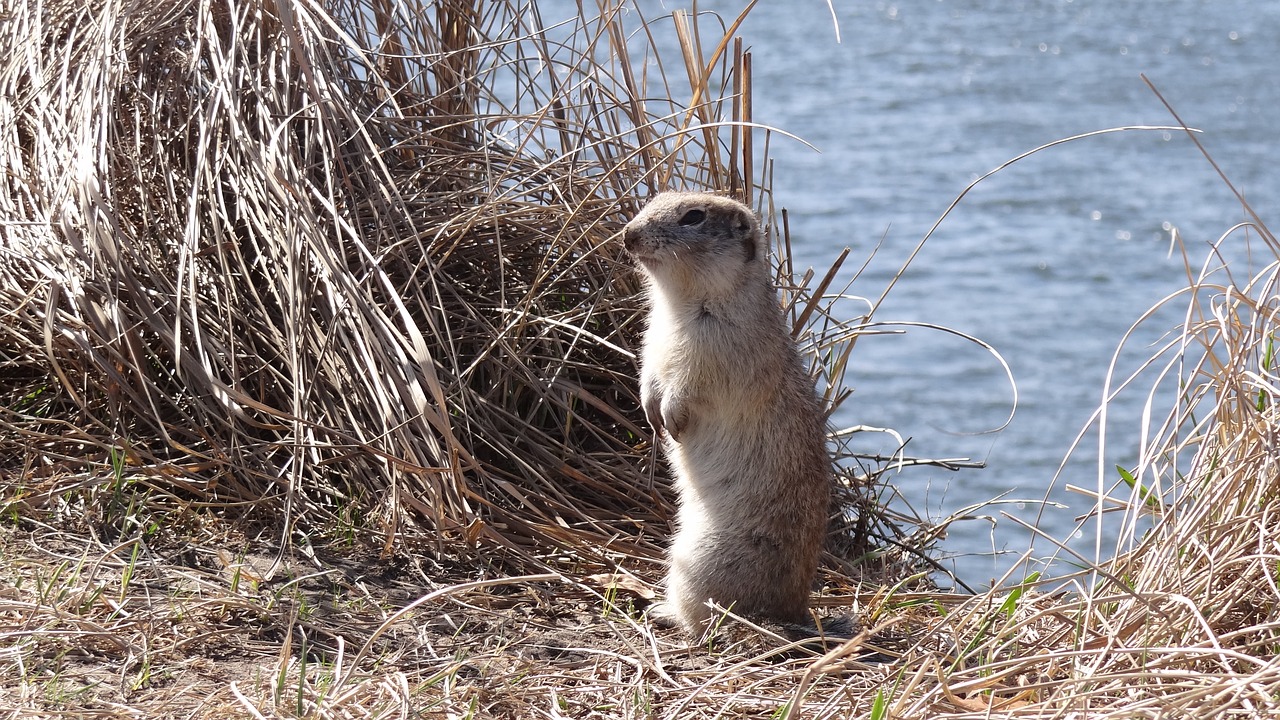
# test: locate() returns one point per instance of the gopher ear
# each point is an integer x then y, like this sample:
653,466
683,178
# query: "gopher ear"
745,228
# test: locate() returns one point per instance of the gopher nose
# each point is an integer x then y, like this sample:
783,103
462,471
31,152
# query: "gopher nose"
630,237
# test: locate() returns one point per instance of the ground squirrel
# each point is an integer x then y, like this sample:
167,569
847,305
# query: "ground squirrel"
724,388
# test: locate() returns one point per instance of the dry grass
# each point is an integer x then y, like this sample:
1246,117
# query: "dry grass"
317,396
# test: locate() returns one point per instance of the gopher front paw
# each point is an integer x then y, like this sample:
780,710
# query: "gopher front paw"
675,417
652,404
665,412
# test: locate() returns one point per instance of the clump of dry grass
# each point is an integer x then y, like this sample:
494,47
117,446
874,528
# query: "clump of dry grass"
293,258
339,263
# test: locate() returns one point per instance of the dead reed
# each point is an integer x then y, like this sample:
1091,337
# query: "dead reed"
317,395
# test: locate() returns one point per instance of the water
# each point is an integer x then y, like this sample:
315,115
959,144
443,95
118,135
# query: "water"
1052,259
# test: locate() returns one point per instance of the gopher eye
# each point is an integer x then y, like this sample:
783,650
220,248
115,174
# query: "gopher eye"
693,217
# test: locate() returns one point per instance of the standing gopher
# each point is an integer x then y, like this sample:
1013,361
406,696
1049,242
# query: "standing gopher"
725,391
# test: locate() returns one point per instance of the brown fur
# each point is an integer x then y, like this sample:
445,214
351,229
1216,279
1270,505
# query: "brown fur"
726,392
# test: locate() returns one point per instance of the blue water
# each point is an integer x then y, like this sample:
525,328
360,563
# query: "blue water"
1052,259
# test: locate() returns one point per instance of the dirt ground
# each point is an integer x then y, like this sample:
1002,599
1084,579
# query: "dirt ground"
193,622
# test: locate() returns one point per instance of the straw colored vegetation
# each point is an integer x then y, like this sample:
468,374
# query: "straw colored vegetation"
317,396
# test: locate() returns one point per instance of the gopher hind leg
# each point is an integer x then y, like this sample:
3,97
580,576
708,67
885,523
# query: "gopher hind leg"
747,575
683,608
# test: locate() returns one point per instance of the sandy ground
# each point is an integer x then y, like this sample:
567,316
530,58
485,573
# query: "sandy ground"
191,622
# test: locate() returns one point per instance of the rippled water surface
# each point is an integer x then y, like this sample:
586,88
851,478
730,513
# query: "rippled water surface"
1052,259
